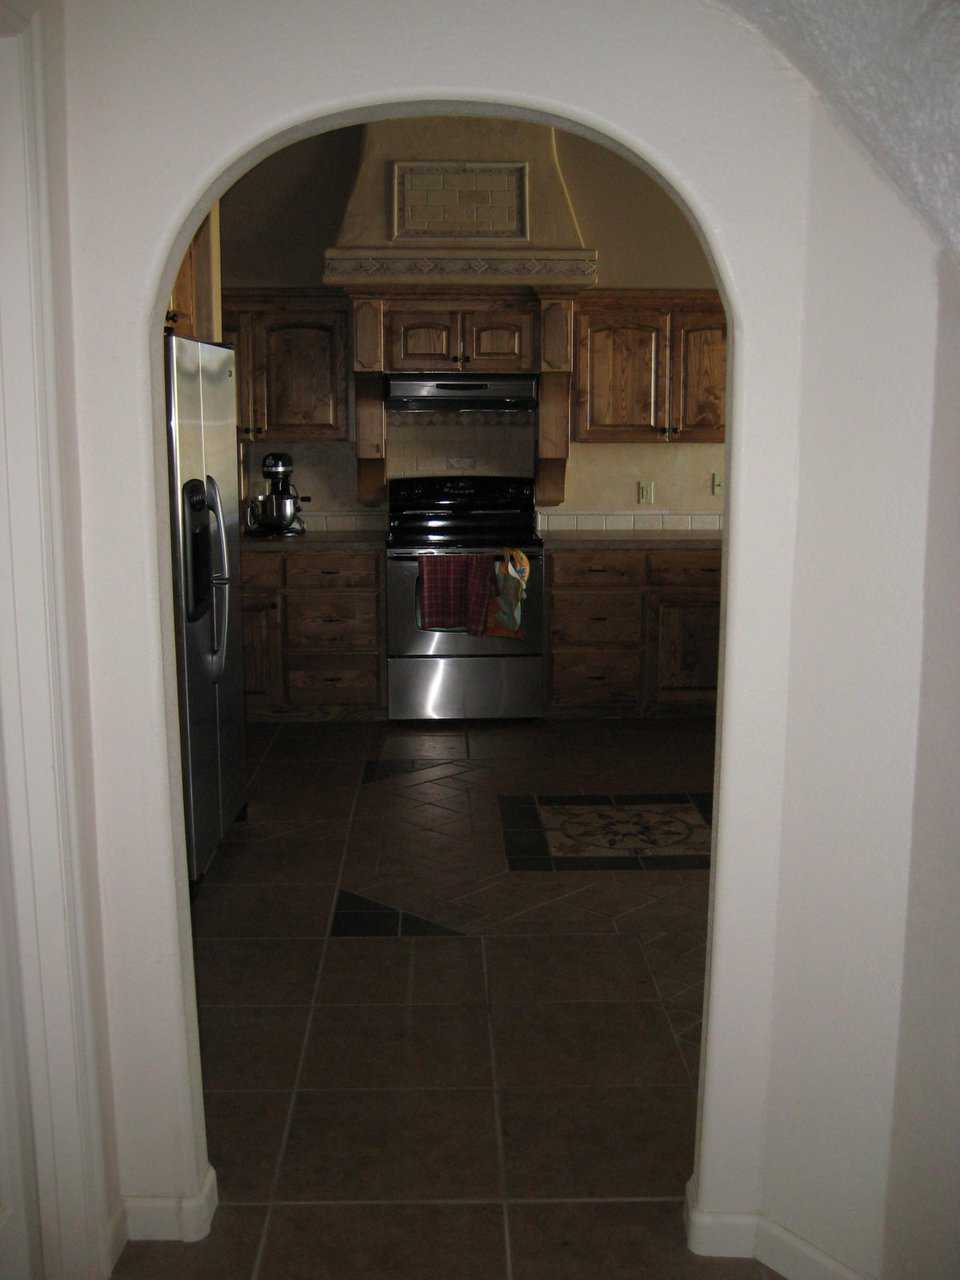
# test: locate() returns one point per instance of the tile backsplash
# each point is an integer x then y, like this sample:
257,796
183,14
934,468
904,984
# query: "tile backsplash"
482,444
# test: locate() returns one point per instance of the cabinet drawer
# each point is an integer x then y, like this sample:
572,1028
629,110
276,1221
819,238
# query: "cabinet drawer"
596,619
322,620
684,568
261,569
597,569
332,569
595,677
316,680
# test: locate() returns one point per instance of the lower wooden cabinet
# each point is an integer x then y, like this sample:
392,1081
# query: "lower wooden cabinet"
681,653
313,642
634,632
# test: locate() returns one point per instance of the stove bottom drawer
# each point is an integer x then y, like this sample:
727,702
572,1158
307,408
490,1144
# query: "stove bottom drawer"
465,688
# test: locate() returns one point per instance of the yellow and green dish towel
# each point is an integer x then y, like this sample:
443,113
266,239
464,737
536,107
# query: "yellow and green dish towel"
505,611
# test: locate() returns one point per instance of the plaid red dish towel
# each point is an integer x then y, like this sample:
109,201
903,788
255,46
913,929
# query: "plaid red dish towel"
455,592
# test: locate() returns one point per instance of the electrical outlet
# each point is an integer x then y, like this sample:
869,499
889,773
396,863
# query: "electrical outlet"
645,492
716,484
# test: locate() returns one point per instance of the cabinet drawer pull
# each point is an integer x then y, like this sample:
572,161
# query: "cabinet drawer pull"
331,619
600,678
332,679
330,573
274,605
598,569
598,619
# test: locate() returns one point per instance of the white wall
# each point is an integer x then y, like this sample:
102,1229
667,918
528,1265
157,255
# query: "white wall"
143,161
922,1230
855,663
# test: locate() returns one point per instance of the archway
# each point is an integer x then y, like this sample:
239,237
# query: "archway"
413,109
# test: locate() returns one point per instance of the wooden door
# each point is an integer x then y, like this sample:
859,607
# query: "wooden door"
303,390
498,341
681,653
620,379
698,375
262,651
423,341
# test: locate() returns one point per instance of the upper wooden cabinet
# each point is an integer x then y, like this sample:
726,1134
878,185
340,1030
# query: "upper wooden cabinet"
194,310
649,366
292,365
620,381
698,374
475,337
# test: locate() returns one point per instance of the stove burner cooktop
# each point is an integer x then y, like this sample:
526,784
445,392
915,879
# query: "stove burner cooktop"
454,513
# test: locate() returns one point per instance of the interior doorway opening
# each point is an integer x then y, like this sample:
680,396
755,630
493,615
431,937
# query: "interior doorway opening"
327,458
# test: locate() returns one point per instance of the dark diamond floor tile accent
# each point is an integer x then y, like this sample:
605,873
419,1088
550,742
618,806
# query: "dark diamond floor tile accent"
366,924
676,861
519,812
599,863
525,844
347,901
416,927
703,802
530,864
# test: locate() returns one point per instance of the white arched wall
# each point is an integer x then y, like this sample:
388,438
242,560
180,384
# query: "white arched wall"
165,107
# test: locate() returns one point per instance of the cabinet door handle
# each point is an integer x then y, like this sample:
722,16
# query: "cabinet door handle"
332,679
600,678
598,619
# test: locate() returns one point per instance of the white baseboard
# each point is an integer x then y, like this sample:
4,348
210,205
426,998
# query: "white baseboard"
171,1217
115,1237
719,1235
794,1258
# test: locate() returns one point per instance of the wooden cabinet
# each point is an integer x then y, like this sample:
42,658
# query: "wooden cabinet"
194,310
292,364
313,642
681,652
480,337
634,632
649,366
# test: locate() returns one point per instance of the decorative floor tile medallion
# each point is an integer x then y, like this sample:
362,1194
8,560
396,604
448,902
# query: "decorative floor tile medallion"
627,832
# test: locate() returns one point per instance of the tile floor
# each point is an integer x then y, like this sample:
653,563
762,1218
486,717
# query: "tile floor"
428,1053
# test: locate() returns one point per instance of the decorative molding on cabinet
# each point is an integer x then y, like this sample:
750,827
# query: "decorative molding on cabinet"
418,266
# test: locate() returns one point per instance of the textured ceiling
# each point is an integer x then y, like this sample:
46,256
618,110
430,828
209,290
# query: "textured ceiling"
891,70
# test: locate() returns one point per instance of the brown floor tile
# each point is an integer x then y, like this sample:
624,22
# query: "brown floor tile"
397,1047
262,911
415,1145
306,777
676,964
517,891
228,1252
244,1048
258,971
584,1044
612,1242
374,1242
269,803
447,971
536,969
298,742
304,858
563,918
424,746
244,1132
598,1142
366,971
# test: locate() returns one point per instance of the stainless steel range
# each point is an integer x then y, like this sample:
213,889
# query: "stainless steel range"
461,672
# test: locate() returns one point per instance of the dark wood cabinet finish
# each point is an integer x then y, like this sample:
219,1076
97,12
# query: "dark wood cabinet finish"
698,375
313,645
634,632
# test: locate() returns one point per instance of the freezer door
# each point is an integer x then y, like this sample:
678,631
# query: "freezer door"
220,458
190,526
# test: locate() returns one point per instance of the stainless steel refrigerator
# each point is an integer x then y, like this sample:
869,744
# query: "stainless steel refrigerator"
205,520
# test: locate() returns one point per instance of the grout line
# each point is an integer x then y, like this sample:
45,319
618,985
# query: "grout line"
519,1200
262,1245
497,1117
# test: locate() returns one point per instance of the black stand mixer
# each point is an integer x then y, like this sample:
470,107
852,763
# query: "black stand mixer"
276,512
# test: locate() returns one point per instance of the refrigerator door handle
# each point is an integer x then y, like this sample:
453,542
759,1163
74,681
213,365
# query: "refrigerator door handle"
221,585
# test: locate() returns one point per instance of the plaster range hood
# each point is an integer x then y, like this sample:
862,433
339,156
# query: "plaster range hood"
442,201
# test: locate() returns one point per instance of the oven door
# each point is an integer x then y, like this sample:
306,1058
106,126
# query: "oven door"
406,639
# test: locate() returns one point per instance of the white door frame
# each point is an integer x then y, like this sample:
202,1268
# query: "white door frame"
51,990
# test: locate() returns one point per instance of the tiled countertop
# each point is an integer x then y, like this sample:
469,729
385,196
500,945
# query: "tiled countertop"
588,539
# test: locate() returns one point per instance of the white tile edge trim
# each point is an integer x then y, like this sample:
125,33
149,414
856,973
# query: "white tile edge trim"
795,1258
186,1218
748,1235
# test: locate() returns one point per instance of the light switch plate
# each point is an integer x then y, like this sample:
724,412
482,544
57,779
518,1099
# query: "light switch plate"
646,490
716,483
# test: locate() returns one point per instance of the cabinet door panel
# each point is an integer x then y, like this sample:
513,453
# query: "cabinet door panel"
262,661
238,334
684,568
332,680
596,678
699,375
332,569
498,340
621,375
305,373
330,620
423,340
596,619
596,569
683,649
